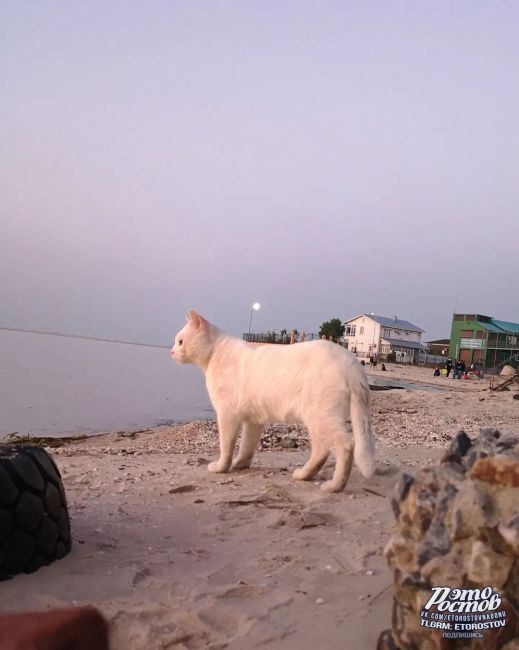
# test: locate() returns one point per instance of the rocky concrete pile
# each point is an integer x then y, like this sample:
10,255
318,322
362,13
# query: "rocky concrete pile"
455,549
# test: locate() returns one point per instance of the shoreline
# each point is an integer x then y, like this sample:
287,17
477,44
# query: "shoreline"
400,378
174,556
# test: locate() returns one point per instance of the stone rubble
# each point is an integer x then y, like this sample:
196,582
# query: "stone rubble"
457,525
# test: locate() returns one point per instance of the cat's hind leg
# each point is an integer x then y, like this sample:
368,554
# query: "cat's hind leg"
342,447
228,432
318,455
250,437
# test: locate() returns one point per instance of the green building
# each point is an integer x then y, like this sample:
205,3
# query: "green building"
482,339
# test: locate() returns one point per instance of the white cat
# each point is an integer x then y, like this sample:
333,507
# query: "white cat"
318,384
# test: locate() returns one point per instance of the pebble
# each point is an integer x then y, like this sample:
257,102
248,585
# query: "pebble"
320,601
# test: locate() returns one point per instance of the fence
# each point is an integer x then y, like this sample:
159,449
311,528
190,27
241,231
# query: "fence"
424,358
281,337
267,337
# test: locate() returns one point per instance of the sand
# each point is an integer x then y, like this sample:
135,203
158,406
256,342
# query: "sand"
176,557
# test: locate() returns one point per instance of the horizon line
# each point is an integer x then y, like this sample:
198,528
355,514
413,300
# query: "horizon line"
82,336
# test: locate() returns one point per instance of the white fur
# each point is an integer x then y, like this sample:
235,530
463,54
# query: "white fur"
318,384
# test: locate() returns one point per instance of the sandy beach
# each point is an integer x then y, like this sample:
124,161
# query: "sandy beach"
176,557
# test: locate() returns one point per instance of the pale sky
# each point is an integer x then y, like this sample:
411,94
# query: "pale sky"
322,158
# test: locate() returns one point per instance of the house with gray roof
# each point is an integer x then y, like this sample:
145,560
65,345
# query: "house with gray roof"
369,335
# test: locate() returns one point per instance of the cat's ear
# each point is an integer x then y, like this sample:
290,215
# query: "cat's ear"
192,316
198,321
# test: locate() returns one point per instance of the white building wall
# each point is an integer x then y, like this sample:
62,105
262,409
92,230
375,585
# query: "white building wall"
366,340
368,334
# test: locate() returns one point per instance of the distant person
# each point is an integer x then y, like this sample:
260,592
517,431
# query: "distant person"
383,367
448,366
436,372
459,367
374,363
371,361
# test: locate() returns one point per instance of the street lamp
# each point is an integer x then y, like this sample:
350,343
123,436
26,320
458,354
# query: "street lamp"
254,308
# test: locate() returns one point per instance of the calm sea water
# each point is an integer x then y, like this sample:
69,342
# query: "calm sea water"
54,385
51,385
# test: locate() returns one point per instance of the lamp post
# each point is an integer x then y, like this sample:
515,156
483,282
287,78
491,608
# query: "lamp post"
254,308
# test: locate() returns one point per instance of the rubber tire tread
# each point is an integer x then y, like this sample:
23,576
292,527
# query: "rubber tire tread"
34,518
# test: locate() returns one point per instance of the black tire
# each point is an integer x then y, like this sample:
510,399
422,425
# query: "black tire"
34,520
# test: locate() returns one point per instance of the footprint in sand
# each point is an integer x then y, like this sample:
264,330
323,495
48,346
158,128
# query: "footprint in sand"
242,591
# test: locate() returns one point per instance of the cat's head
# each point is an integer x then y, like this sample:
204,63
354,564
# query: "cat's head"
193,344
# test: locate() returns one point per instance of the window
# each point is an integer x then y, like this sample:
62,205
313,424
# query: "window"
511,340
350,330
361,331
387,331
466,334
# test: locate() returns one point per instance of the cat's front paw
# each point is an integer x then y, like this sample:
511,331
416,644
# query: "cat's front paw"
217,468
300,474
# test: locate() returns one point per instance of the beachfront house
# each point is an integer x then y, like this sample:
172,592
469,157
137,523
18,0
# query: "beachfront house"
476,338
387,338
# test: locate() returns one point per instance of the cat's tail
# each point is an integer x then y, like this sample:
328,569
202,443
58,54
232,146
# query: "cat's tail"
364,450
